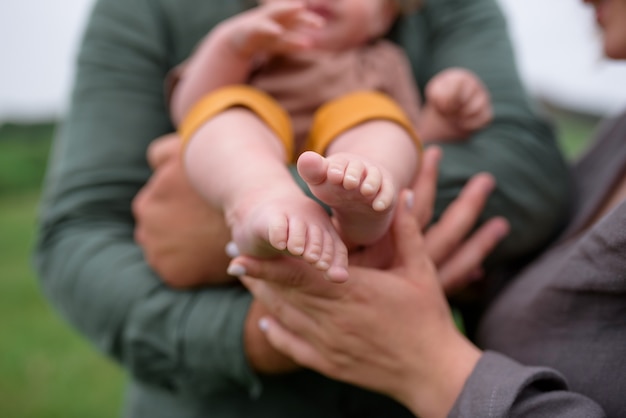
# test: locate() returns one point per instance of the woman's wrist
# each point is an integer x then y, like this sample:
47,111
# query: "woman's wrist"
433,392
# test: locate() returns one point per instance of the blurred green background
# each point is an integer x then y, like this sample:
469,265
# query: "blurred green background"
46,369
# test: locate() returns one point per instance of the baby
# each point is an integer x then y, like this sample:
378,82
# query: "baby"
312,82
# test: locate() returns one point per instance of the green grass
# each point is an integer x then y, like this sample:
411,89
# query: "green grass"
23,155
46,370
574,131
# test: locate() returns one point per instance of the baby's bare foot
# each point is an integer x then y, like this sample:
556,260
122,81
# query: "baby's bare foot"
274,224
360,193
344,178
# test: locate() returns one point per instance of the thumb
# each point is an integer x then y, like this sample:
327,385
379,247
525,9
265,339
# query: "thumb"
407,235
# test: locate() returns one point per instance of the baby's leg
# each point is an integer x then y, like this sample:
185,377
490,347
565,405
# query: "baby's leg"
361,177
237,163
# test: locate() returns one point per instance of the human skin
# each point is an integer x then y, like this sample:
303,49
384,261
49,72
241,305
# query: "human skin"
169,192
457,257
178,231
169,195
457,104
360,176
285,220
610,15
410,365
239,43
303,301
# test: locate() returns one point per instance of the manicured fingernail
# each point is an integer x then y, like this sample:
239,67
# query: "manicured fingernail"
236,270
264,324
232,250
410,200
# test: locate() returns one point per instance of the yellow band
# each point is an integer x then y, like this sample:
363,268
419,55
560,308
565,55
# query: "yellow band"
341,114
260,103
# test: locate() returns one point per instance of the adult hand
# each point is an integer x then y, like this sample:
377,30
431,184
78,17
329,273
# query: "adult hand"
183,241
182,237
262,356
390,331
456,251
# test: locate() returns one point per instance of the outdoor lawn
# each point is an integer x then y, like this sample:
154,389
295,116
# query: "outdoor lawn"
46,369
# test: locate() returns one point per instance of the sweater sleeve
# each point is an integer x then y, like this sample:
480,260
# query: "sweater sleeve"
518,147
501,387
89,265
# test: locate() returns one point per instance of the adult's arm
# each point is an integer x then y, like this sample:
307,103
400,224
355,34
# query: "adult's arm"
89,266
352,333
502,387
518,147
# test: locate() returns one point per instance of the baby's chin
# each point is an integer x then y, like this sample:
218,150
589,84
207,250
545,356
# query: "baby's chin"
332,45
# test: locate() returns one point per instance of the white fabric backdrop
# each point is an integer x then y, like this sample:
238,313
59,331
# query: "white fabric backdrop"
556,41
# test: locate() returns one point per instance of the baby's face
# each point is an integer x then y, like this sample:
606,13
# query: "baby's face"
349,23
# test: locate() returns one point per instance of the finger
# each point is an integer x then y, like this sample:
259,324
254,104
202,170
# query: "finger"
310,19
425,185
167,179
285,12
458,94
290,344
277,301
268,31
162,149
275,38
284,271
407,232
438,95
231,249
284,23
293,42
477,112
465,92
471,124
459,218
137,207
460,269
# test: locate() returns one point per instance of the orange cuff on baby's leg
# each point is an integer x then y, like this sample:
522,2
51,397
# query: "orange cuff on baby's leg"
260,103
339,115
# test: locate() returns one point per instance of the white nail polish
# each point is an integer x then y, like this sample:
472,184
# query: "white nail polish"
232,250
410,200
264,324
236,270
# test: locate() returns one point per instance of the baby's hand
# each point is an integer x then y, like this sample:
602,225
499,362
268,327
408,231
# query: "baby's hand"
460,97
274,28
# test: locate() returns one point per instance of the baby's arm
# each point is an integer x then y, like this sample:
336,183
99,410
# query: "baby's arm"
457,104
229,52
